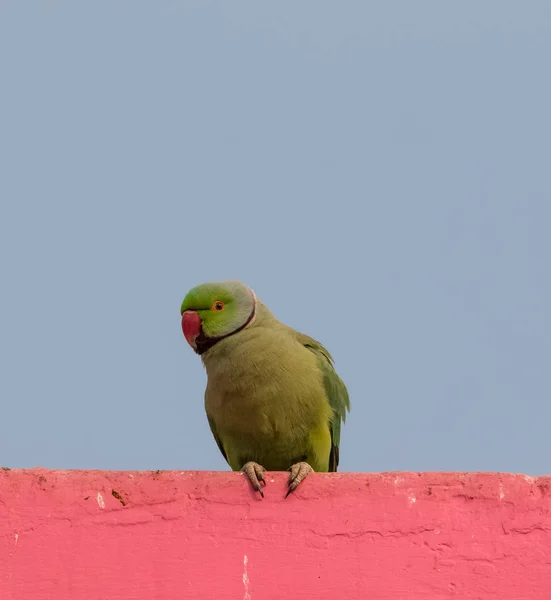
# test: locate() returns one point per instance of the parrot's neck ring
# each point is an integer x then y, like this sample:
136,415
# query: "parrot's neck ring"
252,316
204,343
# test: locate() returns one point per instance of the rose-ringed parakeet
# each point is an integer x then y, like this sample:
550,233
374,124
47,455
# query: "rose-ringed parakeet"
273,399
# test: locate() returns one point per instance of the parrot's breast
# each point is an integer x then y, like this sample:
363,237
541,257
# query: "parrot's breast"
266,396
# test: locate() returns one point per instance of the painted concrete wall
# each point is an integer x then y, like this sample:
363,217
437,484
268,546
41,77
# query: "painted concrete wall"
193,535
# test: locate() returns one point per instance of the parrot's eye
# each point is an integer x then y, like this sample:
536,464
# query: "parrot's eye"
218,306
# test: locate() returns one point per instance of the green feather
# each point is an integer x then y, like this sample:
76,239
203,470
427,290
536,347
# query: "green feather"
216,437
336,391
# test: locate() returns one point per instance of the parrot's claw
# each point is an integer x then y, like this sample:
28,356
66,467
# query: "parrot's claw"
255,473
298,474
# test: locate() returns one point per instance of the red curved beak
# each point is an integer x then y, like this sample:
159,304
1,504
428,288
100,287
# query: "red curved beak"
191,326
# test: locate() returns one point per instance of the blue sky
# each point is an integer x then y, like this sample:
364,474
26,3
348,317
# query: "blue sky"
379,174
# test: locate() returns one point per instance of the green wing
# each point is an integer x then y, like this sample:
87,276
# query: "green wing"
337,394
216,438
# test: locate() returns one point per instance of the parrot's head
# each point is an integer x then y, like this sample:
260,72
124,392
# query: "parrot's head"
213,311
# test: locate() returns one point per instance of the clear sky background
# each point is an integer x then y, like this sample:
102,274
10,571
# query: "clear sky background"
379,173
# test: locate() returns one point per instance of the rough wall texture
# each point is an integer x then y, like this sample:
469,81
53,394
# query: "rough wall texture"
71,535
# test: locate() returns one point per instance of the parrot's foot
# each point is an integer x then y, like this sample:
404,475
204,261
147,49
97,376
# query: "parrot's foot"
298,474
255,473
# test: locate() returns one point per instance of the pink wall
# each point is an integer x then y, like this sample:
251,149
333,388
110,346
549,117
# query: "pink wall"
192,535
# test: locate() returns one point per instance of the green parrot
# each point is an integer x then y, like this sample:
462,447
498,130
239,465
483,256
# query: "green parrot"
273,399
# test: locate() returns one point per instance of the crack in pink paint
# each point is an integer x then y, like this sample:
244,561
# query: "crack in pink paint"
245,578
